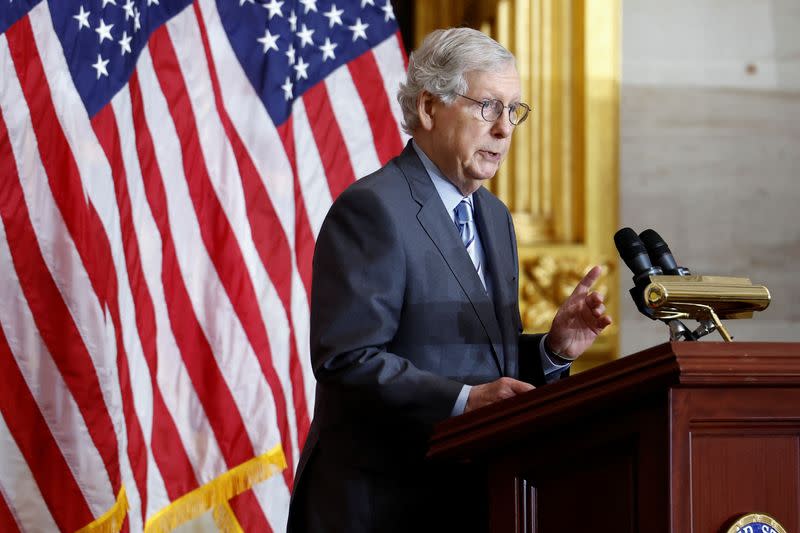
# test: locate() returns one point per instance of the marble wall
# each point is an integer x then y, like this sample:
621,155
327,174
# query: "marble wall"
710,149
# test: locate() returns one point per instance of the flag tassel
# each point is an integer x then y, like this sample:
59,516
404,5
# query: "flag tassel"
111,521
217,491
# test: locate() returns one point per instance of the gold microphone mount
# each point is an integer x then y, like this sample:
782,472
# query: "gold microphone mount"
705,299
665,291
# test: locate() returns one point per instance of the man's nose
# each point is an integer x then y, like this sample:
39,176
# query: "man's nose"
502,127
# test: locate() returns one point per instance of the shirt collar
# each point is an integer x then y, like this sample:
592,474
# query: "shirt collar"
448,192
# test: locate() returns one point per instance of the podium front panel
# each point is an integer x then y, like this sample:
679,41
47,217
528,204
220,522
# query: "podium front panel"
735,451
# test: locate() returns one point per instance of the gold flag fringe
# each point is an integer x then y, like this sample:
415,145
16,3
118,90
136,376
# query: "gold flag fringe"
111,521
226,520
217,492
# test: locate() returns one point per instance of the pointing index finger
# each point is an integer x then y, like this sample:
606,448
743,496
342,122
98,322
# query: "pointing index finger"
588,280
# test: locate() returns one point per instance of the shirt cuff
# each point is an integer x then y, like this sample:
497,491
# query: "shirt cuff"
461,401
548,364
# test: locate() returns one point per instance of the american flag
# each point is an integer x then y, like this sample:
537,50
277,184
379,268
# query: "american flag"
165,166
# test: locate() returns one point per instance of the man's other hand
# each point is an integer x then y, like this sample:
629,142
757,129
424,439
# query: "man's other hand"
579,320
488,393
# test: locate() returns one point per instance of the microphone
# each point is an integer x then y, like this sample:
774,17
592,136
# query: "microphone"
633,251
668,292
660,254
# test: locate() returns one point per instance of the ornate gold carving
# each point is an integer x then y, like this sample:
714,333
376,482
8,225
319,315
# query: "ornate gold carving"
546,281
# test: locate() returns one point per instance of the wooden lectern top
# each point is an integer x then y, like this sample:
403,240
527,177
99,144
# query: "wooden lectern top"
672,364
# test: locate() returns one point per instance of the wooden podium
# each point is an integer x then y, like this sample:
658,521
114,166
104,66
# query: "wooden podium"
683,437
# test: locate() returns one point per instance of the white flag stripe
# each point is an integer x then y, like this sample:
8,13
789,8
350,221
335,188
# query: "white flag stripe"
139,373
389,57
141,381
89,157
224,176
311,173
277,326
19,489
273,496
250,118
53,397
48,389
16,115
302,325
17,523
230,346
173,377
126,473
352,119
129,482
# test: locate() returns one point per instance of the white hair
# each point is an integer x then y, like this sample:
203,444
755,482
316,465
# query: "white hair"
439,66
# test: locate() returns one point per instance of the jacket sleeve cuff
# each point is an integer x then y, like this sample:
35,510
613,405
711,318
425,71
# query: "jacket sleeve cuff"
550,361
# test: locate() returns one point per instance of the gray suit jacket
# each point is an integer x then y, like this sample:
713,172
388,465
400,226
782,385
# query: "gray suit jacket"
399,322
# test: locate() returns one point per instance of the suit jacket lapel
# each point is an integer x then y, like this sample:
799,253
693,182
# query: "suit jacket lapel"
497,267
442,231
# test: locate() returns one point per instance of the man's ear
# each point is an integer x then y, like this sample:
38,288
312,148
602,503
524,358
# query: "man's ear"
426,110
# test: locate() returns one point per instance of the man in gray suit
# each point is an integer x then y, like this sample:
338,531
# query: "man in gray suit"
414,306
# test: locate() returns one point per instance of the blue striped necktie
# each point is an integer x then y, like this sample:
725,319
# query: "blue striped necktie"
466,227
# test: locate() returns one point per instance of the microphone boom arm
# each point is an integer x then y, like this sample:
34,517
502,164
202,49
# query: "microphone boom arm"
671,313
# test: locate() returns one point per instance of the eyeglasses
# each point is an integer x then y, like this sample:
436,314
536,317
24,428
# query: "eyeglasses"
492,109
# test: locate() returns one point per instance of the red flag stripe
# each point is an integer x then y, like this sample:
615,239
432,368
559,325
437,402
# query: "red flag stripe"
18,487
218,236
369,83
270,241
249,513
304,238
352,119
53,318
310,170
7,521
393,63
168,451
329,139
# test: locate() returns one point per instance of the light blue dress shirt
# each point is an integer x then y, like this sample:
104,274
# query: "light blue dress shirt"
451,196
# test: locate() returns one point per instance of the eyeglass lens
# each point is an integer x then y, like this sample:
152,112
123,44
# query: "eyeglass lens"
492,109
